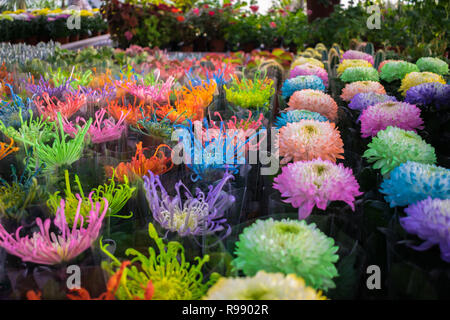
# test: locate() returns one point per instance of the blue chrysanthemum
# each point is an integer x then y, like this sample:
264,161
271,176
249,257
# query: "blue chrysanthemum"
301,83
411,182
297,115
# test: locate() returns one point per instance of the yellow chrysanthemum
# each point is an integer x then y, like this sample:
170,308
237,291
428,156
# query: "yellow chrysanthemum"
351,63
303,60
415,78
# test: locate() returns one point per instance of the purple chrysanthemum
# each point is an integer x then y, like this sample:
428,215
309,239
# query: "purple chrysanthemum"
392,113
306,184
432,93
429,219
186,214
353,54
362,100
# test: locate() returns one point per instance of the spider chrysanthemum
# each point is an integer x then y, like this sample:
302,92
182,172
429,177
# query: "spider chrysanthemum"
415,78
392,113
310,139
412,181
306,184
301,83
351,89
354,74
397,70
315,101
435,65
263,286
297,115
429,219
289,247
394,146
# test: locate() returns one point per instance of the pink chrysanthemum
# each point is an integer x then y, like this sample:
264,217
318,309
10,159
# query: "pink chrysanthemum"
310,139
159,92
315,101
351,89
306,184
353,54
309,69
391,113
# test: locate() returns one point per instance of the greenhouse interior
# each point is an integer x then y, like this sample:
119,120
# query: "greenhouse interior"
224,150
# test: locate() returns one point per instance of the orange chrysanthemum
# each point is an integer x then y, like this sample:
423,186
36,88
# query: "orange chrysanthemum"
310,139
136,111
6,150
351,89
315,101
140,164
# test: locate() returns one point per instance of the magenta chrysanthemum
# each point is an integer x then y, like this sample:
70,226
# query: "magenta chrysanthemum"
391,113
306,184
351,89
309,69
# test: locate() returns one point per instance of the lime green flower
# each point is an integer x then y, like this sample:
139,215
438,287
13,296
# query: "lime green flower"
360,74
394,146
433,65
397,70
288,246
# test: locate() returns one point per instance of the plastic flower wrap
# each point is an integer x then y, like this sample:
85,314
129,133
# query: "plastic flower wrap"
101,130
397,70
426,94
353,54
360,74
434,65
139,165
394,146
361,101
49,107
392,113
6,149
172,277
309,69
263,286
62,152
49,248
429,219
116,195
250,93
296,115
306,184
415,78
302,60
351,63
187,214
315,101
411,182
310,139
310,254
352,89
301,83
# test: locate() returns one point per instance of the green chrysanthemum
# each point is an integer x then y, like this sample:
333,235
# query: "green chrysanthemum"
263,286
360,74
394,146
172,277
433,65
288,246
397,70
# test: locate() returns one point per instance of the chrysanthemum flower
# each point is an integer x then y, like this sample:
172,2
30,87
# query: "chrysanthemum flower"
394,146
382,63
360,74
362,100
397,70
301,83
315,101
351,63
426,94
297,115
351,89
6,150
306,184
412,181
302,60
309,69
353,54
435,65
263,286
415,78
429,219
392,113
50,106
310,139
290,247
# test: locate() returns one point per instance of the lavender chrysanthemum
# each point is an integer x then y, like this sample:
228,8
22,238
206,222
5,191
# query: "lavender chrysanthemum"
429,219
412,181
362,100
306,184
297,115
353,54
301,83
392,113
425,94
187,214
